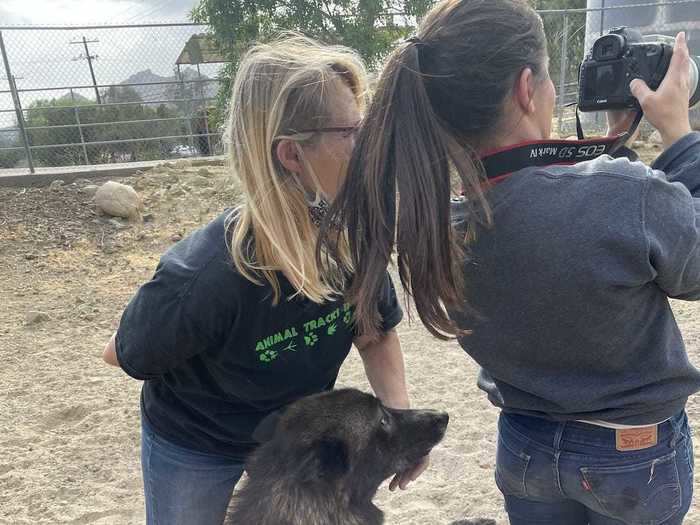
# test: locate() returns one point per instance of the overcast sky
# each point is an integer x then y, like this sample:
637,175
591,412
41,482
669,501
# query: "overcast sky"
46,58
72,12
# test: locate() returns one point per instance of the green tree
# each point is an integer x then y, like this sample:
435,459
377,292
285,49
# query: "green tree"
10,139
130,118
371,27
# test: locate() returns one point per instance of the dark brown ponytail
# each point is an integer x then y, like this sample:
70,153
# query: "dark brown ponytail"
439,95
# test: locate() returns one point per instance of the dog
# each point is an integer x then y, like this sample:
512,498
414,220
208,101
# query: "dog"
323,458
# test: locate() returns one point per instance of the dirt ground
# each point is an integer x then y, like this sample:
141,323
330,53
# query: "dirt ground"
69,424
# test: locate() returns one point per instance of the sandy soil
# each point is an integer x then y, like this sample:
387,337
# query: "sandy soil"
69,424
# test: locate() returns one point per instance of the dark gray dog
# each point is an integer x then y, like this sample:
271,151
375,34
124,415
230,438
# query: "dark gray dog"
323,459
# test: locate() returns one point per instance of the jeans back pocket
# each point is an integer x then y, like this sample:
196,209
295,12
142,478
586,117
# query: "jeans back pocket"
646,493
511,468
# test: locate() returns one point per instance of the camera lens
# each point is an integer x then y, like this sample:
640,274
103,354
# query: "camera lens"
694,81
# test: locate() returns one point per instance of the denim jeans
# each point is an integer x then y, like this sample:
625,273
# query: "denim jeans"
572,474
183,486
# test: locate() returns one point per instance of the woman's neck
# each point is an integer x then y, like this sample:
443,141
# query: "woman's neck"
526,130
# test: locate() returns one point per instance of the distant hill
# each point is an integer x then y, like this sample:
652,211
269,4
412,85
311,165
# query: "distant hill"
79,99
170,91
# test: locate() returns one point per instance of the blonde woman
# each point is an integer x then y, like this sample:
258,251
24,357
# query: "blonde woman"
238,321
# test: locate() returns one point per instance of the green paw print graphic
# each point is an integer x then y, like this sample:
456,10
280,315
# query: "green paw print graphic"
347,318
331,329
268,356
311,339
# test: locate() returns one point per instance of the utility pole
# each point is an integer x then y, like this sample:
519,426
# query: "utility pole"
89,59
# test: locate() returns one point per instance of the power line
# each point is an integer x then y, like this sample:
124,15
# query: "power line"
160,5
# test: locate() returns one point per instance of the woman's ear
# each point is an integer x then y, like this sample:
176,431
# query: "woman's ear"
288,155
524,91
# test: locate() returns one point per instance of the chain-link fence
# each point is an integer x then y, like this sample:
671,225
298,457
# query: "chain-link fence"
105,94
102,94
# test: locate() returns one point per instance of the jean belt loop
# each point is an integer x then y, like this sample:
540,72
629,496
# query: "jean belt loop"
677,427
558,435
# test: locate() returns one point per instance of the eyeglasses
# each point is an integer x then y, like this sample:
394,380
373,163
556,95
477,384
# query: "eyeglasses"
346,131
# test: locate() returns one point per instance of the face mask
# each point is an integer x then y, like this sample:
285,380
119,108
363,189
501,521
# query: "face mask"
318,211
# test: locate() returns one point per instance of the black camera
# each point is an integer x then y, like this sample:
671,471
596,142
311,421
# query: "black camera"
621,56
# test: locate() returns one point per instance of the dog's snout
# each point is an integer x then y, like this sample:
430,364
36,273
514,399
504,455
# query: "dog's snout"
437,420
443,420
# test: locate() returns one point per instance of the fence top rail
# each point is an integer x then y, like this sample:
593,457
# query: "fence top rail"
97,26
93,86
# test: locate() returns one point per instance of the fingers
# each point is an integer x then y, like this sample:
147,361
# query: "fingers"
678,68
641,91
676,76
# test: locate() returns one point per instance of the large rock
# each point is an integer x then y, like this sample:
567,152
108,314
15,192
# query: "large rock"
118,200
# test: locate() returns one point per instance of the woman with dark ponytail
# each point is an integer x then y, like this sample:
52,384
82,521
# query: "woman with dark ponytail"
555,279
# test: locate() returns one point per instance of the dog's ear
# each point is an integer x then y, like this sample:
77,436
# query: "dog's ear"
329,459
267,427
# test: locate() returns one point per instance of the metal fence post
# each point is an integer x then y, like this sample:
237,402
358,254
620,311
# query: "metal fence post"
188,108
80,129
563,65
205,113
17,104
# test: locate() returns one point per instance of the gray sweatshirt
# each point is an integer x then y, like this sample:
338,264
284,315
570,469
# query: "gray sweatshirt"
570,288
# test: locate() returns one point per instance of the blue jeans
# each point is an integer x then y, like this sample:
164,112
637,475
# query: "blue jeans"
183,486
572,474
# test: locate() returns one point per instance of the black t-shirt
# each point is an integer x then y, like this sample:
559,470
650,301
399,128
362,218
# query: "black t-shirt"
217,356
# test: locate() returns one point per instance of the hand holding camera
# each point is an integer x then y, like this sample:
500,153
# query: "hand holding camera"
625,71
666,108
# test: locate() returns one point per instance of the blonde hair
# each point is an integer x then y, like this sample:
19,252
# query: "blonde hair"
281,88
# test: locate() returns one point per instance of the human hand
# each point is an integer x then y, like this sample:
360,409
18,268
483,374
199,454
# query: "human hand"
402,479
667,108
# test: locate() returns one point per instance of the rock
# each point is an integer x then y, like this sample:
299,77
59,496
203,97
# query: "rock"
35,317
175,237
56,185
119,225
90,189
148,217
207,193
655,138
206,162
118,200
204,172
31,256
197,181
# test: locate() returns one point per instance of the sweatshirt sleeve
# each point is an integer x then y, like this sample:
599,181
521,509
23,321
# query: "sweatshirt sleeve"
671,219
681,162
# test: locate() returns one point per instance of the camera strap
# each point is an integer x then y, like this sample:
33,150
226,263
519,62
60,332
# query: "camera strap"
498,164
626,135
